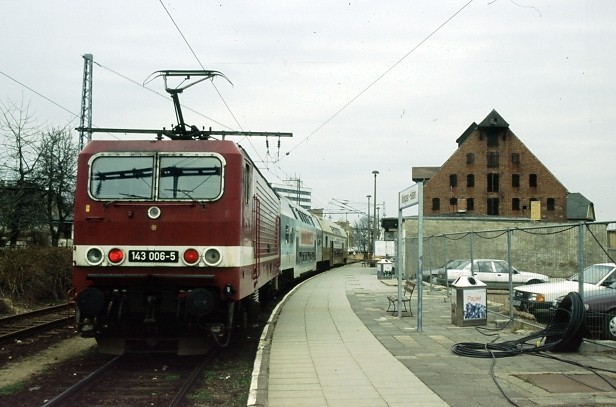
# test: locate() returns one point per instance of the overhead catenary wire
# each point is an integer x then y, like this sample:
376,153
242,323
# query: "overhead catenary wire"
381,76
214,85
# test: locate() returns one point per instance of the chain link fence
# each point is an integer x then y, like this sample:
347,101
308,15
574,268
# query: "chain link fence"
568,254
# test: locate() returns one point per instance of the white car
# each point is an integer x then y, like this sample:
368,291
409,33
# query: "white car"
494,273
537,298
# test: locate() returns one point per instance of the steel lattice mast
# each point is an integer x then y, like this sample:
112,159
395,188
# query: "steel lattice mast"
85,123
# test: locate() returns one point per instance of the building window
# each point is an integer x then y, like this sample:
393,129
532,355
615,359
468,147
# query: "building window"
470,180
492,140
492,160
492,206
492,182
436,204
551,204
470,158
515,158
515,204
515,180
470,204
453,202
532,180
453,180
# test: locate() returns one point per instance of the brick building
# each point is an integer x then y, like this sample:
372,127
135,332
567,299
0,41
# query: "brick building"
493,173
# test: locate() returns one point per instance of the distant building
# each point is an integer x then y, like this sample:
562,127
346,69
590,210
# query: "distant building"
493,173
296,192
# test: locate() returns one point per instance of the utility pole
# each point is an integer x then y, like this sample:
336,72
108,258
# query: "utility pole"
85,121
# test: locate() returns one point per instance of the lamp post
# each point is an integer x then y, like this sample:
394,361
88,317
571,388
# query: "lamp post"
369,230
374,232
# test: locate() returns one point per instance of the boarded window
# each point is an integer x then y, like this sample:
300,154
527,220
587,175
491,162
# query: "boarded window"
492,204
453,180
470,180
492,182
470,204
515,158
492,160
515,180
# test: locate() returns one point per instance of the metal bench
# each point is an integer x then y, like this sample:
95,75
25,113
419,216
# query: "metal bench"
409,287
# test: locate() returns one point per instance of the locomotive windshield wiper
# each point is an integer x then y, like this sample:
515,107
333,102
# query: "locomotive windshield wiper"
186,192
134,196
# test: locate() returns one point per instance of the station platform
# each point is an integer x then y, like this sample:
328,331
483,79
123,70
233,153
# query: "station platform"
331,343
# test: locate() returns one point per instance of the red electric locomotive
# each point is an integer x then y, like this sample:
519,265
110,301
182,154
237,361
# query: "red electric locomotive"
171,238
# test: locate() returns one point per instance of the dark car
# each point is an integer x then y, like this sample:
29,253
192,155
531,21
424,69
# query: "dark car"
600,312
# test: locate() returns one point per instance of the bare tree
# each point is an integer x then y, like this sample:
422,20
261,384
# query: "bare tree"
57,171
359,234
18,159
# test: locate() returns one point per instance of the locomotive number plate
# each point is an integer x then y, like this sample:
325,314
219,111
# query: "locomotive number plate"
153,256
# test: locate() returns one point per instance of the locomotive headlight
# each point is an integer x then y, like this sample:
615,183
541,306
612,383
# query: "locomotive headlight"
115,256
153,212
94,256
212,257
191,257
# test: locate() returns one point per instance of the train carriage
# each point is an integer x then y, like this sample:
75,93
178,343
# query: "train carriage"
334,243
300,246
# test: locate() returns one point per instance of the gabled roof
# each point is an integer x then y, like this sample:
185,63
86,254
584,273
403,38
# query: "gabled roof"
493,120
466,133
579,208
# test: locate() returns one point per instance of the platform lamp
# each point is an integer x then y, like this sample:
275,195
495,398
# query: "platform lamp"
376,220
369,230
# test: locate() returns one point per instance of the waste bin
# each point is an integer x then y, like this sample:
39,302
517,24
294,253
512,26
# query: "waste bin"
469,304
384,269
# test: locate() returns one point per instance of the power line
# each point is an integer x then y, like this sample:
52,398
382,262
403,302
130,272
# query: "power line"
76,116
212,82
305,139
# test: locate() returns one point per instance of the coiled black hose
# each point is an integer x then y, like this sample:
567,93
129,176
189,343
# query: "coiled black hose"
564,333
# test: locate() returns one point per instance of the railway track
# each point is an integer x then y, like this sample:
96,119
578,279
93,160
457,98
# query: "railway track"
28,324
136,380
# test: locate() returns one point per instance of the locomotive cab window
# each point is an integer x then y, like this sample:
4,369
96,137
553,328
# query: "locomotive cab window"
134,176
124,177
190,177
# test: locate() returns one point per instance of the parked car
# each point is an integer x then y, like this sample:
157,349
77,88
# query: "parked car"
600,313
537,299
431,275
494,273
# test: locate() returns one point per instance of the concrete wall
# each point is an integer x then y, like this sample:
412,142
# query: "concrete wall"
542,247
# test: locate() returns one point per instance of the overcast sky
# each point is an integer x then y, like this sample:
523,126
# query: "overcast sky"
362,85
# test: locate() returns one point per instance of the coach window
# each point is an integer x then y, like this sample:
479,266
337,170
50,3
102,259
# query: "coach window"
122,177
190,177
